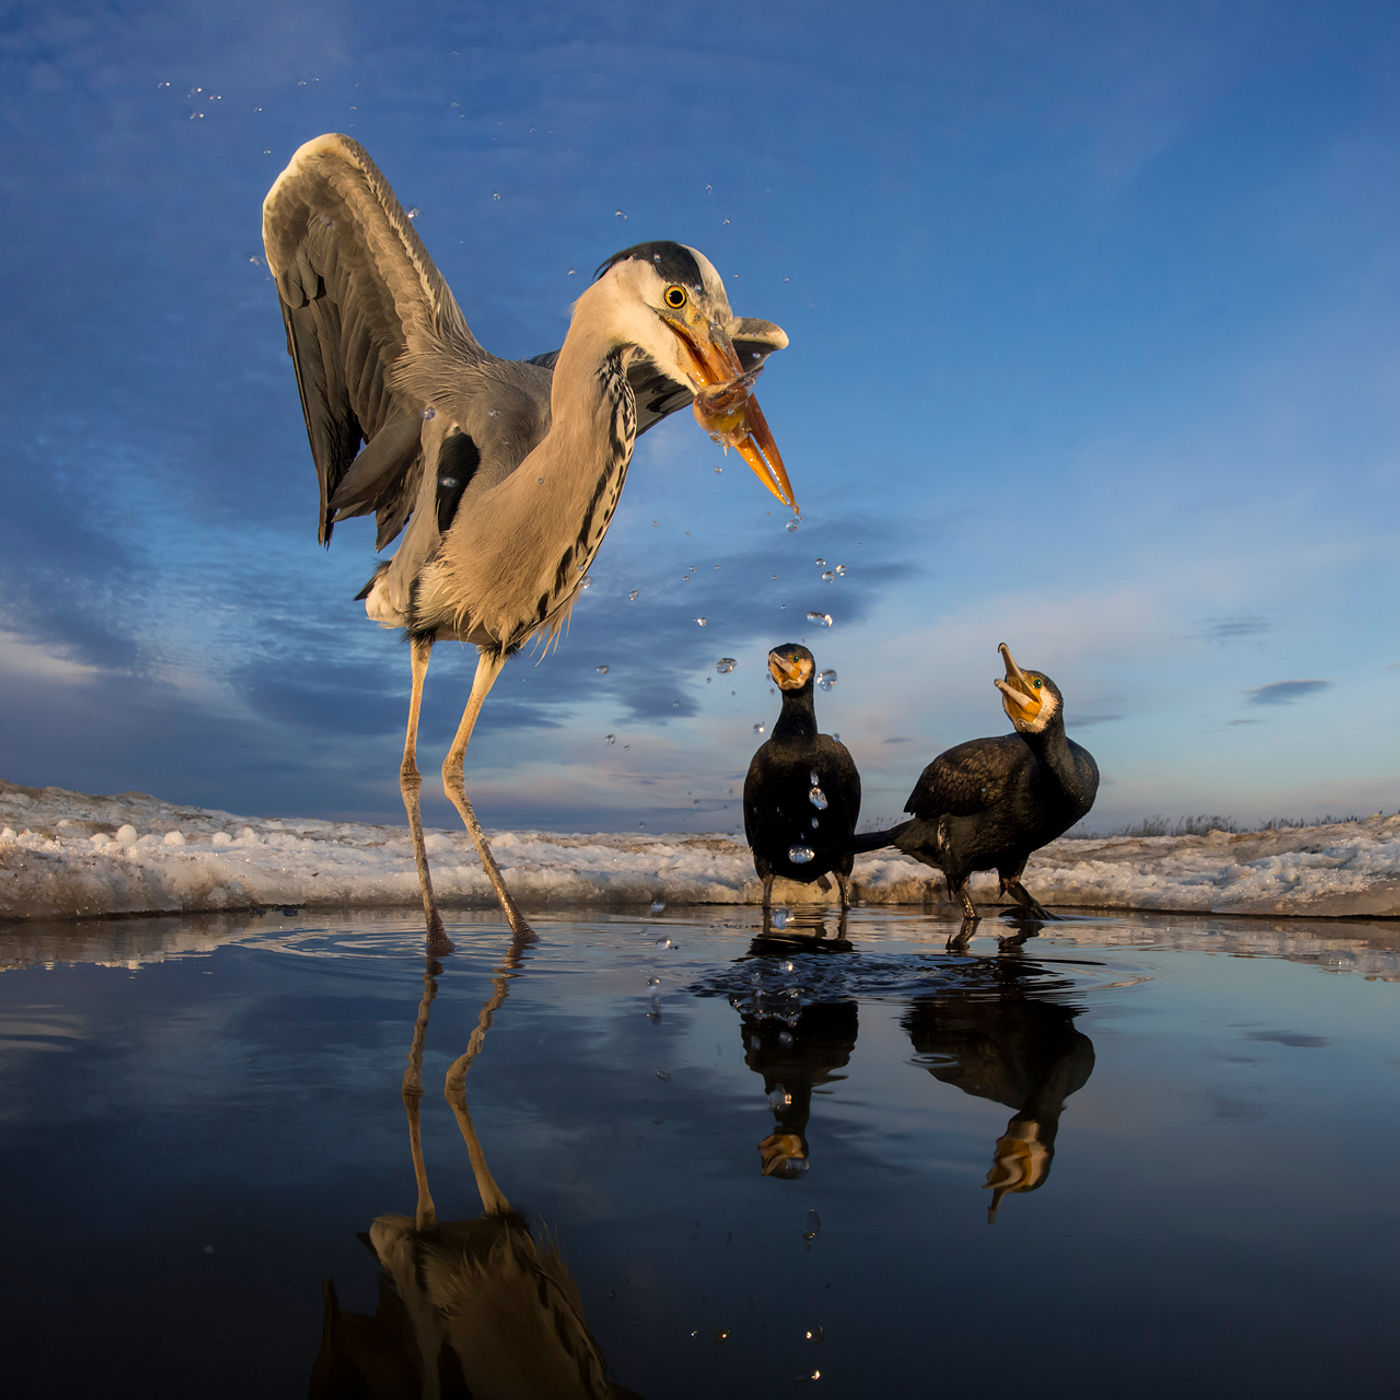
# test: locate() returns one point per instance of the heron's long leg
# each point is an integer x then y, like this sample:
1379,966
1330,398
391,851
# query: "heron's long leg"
493,1199
410,782
412,1090
487,669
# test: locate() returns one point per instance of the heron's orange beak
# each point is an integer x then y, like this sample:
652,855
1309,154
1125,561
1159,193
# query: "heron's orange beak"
726,408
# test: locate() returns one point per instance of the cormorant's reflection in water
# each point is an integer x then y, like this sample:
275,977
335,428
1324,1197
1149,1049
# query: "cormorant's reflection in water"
997,1036
795,1048
467,1309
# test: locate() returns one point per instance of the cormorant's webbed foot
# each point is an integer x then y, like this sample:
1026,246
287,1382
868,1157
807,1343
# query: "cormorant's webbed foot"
1029,905
957,942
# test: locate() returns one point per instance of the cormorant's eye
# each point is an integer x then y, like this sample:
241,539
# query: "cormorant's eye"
1036,684
675,297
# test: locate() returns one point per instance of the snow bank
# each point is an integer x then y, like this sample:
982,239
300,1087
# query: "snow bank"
68,855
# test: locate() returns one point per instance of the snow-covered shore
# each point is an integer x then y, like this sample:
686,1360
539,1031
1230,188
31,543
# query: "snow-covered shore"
69,855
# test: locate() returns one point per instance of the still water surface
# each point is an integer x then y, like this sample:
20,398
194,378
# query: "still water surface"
1151,1156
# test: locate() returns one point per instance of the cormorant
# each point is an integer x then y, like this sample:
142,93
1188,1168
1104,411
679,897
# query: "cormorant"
988,803
802,793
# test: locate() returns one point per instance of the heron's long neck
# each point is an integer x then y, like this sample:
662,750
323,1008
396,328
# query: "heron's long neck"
586,453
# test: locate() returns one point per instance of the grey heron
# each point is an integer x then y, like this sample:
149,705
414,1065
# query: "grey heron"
501,476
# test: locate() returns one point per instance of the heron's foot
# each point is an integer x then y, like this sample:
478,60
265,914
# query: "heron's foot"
439,944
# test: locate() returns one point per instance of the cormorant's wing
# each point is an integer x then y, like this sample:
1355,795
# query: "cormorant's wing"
966,779
364,308
658,395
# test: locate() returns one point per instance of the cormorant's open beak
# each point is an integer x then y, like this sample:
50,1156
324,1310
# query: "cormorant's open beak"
1021,1163
724,403
1016,689
785,670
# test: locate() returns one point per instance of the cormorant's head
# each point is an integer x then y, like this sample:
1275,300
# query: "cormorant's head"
783,1154
1022,1162
668,301
1030,698
791,666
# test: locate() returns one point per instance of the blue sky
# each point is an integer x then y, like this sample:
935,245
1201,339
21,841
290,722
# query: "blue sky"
1092,313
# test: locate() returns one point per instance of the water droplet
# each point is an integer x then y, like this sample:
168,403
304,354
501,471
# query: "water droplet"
587,583
821,563
719,471
448,483
821,619
780,918
840,570
664,942
826,679
758,729
815,1335
791,525
702,621
814,778
571,272
414,213
610,738
657,905
429,413
816,822
495,194
827,576
539,481
632,596
618,214
800,855
627,748
663,1074
601,670
495,413
817,798
814,1224
725,665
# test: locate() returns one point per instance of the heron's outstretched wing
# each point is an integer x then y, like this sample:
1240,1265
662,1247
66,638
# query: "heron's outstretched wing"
966,779
366,313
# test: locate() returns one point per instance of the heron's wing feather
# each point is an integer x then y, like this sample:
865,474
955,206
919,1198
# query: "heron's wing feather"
363,306
965,779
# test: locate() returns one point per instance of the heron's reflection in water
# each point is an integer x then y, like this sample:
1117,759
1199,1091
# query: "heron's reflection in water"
467,1309
795,1048
999,1034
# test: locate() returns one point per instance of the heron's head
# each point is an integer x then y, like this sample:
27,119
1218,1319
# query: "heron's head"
1030,698
791,666
668,301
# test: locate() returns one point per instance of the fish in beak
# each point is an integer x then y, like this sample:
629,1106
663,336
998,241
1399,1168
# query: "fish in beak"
724,403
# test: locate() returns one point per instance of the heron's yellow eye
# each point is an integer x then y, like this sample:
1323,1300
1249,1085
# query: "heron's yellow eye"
675,297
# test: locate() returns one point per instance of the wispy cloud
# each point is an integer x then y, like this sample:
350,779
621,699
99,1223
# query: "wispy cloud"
1285,692
1234,629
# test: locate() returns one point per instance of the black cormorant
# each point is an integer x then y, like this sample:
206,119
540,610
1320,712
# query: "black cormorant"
802,793
988,803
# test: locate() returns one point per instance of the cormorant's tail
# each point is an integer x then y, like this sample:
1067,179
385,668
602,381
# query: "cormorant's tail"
864,841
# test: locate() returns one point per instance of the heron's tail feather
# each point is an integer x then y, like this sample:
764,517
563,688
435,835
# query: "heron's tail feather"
864,841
